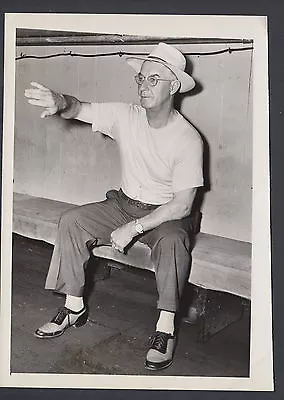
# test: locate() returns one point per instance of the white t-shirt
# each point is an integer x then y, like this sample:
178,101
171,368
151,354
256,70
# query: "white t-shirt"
156,163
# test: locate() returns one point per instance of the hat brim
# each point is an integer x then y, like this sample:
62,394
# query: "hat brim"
186,81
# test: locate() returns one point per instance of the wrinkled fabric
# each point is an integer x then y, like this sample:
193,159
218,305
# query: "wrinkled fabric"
84,227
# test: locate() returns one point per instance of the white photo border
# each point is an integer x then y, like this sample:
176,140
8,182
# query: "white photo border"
193,26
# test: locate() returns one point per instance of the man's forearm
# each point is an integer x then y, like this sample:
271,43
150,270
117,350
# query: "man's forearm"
174,209
76,109
167,212
70,106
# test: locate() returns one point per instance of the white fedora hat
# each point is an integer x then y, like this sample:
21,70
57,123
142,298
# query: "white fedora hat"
169,56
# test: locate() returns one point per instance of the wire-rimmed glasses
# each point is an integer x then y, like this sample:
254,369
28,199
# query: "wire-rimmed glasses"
151,79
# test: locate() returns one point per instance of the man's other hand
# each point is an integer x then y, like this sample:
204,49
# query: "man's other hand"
122,236
42,96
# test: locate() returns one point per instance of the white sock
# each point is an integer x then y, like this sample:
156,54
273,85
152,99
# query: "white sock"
74,303
166,322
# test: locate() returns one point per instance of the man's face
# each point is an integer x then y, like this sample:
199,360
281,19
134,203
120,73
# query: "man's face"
153,97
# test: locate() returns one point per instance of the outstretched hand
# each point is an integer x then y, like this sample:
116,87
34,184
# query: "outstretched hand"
42,96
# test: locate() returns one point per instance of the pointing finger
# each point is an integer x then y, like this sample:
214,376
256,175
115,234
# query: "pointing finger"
38,102
38,85
34,94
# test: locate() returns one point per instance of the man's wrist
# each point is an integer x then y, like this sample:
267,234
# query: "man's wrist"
137,227
60,101
69,106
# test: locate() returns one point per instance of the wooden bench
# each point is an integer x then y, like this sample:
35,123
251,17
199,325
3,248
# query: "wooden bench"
218,264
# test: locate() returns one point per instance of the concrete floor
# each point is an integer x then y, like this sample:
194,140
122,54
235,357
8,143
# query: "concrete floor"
115,339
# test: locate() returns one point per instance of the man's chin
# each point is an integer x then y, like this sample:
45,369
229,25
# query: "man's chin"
145,102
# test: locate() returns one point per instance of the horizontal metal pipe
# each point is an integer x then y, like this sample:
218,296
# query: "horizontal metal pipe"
98,39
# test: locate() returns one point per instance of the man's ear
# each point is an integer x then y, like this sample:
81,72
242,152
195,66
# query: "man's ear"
175,85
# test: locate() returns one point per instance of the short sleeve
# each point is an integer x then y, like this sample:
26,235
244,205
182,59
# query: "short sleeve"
188,166
106,116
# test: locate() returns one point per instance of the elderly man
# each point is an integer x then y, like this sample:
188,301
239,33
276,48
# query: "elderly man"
161,156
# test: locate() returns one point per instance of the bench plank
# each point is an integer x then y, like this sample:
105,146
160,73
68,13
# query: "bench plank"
37,217
216,263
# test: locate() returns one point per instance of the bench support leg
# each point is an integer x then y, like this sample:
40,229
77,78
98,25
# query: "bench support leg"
96,270
102,270
213,311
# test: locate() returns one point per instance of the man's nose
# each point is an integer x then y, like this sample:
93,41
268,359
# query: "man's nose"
145,84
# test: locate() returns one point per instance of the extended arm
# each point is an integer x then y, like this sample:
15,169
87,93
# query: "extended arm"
66,106
179,207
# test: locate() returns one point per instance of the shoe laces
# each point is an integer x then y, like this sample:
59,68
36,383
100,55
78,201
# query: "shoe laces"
159,341
60,316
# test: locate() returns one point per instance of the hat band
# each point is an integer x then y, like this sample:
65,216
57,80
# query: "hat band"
161,59
158,58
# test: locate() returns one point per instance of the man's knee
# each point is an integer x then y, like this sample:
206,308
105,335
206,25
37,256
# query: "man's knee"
171,233
69,217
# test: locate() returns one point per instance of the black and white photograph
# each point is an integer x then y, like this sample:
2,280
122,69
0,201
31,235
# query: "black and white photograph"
136,202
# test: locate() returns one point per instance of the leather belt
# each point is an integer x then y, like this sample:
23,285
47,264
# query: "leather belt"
138,203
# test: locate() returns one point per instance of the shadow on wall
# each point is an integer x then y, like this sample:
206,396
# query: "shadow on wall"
197,205
197,88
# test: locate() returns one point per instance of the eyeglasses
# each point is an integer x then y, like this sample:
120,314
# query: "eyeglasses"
152,79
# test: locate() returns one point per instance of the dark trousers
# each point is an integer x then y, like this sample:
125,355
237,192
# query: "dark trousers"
169,243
